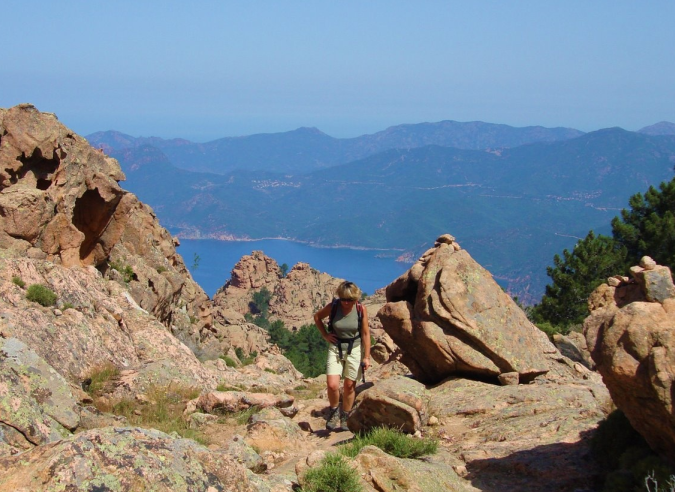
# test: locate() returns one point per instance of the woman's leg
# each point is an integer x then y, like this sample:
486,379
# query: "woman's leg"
348,395
333,386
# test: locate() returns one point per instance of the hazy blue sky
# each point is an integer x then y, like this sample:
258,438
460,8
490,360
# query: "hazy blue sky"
208,69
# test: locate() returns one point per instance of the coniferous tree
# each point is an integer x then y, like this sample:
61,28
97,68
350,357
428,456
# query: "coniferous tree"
574,276
649,227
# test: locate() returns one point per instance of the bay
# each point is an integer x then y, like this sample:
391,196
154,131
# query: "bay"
216,259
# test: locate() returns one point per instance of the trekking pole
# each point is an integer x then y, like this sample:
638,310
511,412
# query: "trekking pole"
363,372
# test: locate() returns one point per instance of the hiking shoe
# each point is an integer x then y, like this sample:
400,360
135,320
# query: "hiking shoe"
333,418
343,421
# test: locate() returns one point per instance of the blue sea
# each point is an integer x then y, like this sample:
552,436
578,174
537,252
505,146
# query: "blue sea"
366,268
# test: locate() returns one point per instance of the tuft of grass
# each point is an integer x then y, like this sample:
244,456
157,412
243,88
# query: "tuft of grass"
18,281
100,376
164,412
242,417
391,441
229,361
44,296
227,387
332,475
67,305
161,269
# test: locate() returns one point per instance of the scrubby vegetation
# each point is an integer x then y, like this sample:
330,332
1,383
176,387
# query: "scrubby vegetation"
229,361
41,294
163,410
125,270
332,475
628,461
648,228
392,442
243,358
99,377
18,281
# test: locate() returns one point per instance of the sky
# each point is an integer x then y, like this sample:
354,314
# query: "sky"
203,70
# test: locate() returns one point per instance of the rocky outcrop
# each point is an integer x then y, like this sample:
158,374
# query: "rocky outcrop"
449,316
60,201
295,297
124,459
631,336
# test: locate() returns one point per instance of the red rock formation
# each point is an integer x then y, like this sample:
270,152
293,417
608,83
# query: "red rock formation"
631,336
449,316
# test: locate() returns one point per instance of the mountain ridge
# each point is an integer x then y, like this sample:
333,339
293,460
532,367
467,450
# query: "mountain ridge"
309,149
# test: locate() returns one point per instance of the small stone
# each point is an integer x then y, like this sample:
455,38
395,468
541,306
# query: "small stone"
509,378
58,312
433,420
647,263
456,246
613,282
418,434
445,238
460,470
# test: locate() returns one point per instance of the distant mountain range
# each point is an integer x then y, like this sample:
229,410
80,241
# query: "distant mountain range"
308,149
512,208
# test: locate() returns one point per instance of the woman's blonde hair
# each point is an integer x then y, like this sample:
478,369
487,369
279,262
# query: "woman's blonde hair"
348,290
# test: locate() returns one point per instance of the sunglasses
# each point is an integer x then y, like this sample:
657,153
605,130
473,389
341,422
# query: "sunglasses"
342,299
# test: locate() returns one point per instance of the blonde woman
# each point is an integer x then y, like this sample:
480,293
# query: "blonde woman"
349,352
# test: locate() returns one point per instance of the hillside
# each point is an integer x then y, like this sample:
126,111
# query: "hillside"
513,209
308,149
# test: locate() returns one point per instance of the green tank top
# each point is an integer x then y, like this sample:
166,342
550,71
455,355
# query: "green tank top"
346,326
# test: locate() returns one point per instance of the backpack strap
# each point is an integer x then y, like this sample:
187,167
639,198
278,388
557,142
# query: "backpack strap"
333,312
349,341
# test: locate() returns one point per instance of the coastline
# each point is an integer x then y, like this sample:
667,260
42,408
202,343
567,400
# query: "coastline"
240,239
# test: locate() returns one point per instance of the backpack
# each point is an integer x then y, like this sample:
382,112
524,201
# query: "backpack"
350,341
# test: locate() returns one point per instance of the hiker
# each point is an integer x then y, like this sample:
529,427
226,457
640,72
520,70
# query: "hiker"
349,351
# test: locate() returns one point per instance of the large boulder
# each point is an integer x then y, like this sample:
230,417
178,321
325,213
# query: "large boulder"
449,316
124,459
36,403
399,403
631,336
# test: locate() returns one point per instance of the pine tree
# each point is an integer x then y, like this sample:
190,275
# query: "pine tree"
574,276
648,229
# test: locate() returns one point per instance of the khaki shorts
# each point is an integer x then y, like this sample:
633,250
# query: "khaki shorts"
349,368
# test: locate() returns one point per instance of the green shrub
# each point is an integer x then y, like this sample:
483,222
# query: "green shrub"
244,359
18,281
332,475
161,269
391,441
41,294
229,361
127,272
625,456
67,305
